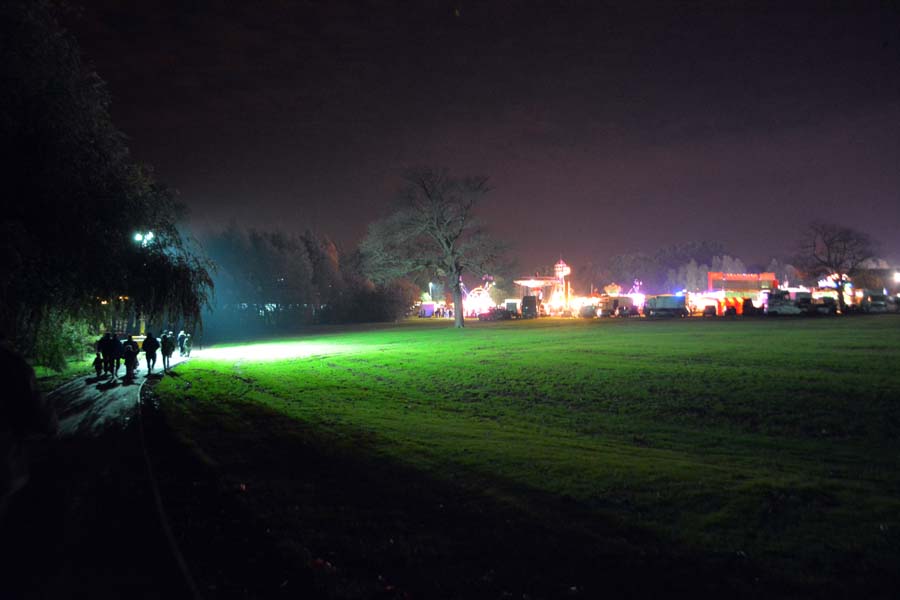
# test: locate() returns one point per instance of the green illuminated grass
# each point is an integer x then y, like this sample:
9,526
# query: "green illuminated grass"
771,439
48,379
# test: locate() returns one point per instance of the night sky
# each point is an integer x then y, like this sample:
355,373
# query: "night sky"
604,127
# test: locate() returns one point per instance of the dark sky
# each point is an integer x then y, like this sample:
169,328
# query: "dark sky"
604,127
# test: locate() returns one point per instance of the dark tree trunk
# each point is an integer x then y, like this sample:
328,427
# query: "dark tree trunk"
842,299
458,316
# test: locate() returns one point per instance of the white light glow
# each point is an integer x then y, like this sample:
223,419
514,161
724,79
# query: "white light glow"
272,351
478,301
144,239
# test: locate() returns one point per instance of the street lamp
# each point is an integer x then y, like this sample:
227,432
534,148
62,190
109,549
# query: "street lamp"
143,239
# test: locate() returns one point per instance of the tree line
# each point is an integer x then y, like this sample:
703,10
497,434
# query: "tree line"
822,250
276,282
76,199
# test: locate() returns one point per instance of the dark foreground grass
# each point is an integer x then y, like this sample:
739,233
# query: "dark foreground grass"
763,453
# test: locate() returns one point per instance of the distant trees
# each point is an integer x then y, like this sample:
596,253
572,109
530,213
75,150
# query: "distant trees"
434,232
784,272
673,256
875,274
260,277
693,277
824,250
74,198
626,268
836,251
681,266
273,282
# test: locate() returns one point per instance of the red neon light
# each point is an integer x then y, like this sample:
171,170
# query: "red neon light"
716,279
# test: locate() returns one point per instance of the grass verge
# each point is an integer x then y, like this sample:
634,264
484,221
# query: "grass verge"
48,379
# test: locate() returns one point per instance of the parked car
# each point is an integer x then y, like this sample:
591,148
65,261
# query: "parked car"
873,302
495,314
779,304
666,306
780,310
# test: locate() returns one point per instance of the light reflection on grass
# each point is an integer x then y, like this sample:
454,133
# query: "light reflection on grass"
272,351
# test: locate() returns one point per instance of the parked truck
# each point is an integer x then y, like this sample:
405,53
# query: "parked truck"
873,302
666,306
779,303
529,307
615,306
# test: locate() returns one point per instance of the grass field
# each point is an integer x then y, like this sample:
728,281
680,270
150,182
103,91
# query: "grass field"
774,441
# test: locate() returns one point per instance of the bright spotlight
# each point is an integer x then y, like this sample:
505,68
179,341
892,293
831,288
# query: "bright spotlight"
896,276
139,237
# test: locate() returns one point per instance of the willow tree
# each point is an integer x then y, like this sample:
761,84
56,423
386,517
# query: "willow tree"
434,232
74,197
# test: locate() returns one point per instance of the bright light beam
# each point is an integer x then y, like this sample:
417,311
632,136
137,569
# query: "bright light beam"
272,351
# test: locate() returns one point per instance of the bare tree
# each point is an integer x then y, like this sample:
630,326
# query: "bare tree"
836,251
434,232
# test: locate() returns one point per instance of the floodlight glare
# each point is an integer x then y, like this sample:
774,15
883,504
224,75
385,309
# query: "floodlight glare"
897,277
143,239
273,351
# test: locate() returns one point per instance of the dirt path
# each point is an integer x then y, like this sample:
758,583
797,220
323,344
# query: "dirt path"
86,526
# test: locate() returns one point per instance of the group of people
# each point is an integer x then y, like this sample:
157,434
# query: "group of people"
112,352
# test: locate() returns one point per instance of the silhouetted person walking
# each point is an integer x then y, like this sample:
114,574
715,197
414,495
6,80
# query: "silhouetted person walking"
106,347
135,351
117,350
150,346
181,337
168,348
130,358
